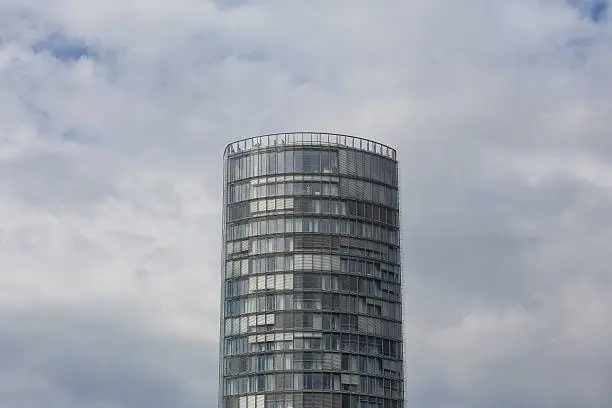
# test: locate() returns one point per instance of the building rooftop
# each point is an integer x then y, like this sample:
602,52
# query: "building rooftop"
310,139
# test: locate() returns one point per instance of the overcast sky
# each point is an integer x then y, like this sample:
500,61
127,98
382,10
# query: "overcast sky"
113,119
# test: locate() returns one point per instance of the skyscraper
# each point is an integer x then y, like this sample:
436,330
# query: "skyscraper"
311,312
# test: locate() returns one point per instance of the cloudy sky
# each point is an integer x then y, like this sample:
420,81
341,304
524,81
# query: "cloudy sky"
113,119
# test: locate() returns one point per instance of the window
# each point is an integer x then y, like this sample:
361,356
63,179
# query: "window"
312,161
271,163
325,162
280,157
298,161
289,161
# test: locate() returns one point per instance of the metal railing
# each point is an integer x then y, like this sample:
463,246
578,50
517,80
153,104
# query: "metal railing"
308,138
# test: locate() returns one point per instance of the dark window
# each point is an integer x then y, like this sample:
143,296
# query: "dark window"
360,209
325,162
368,211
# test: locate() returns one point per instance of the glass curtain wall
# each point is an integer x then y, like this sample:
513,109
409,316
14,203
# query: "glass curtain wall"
311,310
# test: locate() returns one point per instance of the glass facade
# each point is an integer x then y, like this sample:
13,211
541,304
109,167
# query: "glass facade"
311,310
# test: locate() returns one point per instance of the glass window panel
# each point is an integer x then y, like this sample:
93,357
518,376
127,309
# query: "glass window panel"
232,169
249,165
374,167
312,161
325,189
325,161
263,163
271,162
244,169
281,162
363,164
299,161
289,159
333,159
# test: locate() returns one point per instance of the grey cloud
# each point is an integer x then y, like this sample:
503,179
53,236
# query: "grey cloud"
87,358
54,182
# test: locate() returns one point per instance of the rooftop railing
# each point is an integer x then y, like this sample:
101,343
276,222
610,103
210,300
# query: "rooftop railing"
308,138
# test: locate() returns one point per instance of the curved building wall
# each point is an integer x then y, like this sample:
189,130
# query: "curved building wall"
311,291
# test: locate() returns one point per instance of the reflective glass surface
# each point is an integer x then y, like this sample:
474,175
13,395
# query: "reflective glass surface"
311,288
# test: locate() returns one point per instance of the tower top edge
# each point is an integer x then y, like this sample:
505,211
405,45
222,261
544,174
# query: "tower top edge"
308,139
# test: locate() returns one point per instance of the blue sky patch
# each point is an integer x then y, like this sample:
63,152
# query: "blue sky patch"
62,48
594,10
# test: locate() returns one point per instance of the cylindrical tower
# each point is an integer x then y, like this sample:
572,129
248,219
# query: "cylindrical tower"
311,312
